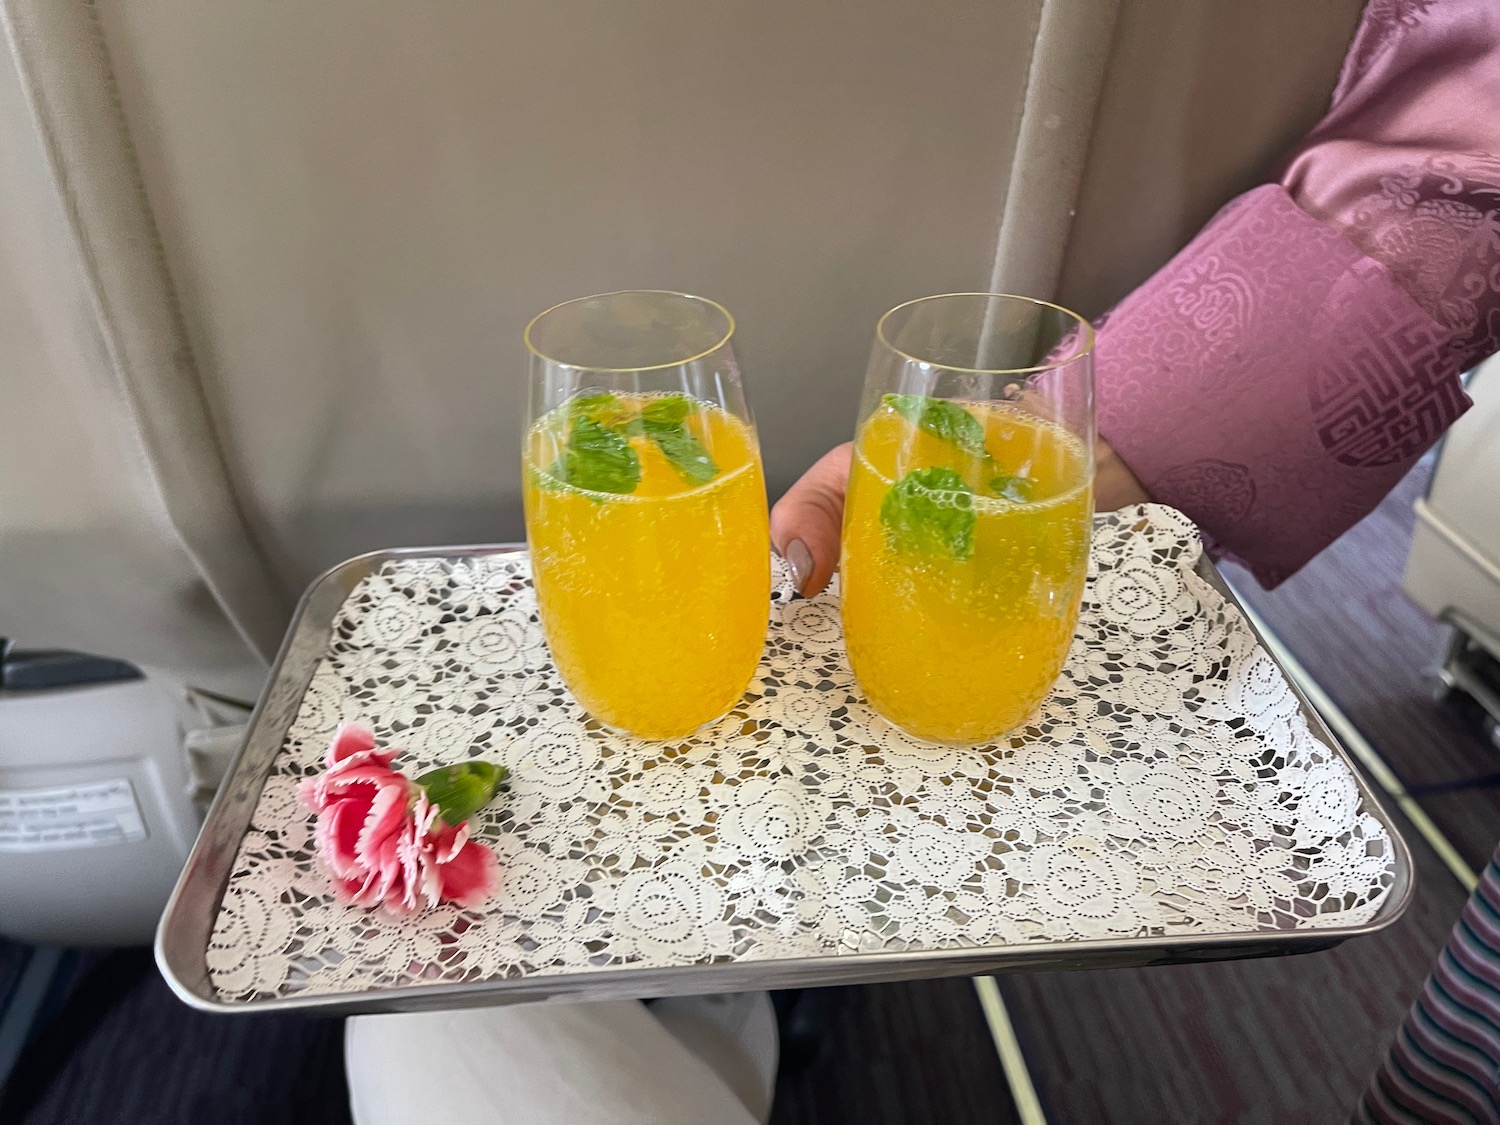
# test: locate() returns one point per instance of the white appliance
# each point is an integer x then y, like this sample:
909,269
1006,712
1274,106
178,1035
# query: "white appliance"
1453,570
102,789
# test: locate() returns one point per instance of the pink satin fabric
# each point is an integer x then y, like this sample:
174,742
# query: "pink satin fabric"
1281,373
1273,382
1407,163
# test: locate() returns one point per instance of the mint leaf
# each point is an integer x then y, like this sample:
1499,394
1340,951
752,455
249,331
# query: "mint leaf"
685,451
663,420
601,407
930,511
942,419
598,459
951,422
1018,490
461,791
669,410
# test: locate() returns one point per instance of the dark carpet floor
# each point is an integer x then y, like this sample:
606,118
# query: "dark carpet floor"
899,1054
125,1051
12,961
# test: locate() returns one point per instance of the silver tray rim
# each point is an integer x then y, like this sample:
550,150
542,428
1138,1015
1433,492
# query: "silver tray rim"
186,925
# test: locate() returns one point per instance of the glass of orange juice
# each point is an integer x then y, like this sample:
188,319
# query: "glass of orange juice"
645,509
970,507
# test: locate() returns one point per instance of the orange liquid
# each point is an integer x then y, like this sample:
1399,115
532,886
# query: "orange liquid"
654,604
961,650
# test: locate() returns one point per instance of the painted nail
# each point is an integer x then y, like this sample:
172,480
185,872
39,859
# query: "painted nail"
799,558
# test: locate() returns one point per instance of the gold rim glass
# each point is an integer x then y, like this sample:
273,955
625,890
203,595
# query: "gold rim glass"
645,509
967,524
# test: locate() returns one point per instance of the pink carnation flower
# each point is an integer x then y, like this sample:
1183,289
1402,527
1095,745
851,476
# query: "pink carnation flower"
381,839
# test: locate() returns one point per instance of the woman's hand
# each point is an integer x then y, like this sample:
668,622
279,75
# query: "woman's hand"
807,521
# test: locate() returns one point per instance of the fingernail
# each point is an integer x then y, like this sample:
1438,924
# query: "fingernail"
799,558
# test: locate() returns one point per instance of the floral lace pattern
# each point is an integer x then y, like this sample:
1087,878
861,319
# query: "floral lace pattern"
1168,787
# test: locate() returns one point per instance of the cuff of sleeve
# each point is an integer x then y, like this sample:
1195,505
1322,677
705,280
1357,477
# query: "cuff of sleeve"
1273,383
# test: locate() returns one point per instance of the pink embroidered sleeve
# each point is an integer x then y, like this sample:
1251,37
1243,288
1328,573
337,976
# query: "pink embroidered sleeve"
1280,374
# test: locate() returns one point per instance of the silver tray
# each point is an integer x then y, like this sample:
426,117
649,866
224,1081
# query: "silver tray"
186,926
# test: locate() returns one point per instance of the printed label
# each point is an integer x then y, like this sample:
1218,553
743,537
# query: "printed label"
70,816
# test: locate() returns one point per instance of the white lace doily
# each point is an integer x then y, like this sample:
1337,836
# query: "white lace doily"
1169,786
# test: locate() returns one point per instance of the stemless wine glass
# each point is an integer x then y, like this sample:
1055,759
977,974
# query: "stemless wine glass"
970,507
645,509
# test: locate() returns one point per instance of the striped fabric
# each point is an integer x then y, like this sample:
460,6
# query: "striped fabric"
1444,1066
